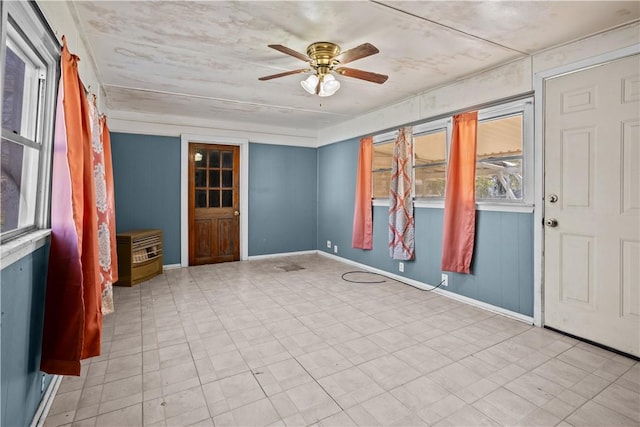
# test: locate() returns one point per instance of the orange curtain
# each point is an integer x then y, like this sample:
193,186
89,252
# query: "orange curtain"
362,215
111,205
73,312
460,197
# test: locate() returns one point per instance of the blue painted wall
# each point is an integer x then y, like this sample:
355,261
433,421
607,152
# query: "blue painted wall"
146,174
282,199
22,301
282,193
503,256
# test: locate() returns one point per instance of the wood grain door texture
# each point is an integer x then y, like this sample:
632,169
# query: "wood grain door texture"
214,203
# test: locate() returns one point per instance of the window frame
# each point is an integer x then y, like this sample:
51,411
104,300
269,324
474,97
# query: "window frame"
524,106
426,128
384,138
24,26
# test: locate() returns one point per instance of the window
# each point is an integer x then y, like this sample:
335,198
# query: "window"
499,154
430,164
29,66
382,162
503,169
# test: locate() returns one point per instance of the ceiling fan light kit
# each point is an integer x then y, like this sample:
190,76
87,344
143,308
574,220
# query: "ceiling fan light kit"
325,58
328,86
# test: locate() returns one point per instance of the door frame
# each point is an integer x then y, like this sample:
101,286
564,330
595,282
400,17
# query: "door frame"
243,143
538,215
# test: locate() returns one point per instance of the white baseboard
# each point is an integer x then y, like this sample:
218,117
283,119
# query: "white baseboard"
283,254
427,287
47,400
171,266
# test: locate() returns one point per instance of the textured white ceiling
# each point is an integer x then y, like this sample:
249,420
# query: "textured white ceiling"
203,59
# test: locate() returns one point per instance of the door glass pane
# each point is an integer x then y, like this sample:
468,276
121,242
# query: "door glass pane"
227,179
200,178
199,158
201,199
13,94
214,159
227,159
214,198
214,179
227,198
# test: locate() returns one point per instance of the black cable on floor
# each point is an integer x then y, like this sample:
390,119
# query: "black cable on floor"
381,281
363,281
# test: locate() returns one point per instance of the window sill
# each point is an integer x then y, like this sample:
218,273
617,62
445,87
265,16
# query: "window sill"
22,246
482,206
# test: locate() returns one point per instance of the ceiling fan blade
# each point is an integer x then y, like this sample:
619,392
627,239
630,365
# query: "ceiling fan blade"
286,73
284,49
358,52
362,75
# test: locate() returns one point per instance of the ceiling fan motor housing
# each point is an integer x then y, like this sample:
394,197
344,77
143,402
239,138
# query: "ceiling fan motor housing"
322,55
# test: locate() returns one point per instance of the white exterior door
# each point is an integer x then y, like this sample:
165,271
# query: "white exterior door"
592,191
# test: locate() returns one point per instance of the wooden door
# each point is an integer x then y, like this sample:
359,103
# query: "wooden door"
214,208
592,204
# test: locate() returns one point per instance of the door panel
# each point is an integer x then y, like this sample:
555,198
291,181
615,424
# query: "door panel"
213,203
592,278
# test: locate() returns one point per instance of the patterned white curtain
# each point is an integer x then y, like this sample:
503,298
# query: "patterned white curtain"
401,222
105,227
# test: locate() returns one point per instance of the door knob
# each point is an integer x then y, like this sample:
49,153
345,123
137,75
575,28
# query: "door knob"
552,198
551,222
236,213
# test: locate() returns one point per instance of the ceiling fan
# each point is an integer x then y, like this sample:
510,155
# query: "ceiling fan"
325,58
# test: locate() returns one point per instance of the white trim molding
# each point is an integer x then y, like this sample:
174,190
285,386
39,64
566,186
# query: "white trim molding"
22,246
539,79
47,400
243,143
426,287
282,254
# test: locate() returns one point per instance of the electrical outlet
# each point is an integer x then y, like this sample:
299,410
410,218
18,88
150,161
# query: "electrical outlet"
329,244
335,249
445,279
401,267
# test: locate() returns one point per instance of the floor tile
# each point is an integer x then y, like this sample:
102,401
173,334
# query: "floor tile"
341,419
250,344
126,417
389,371
259,413
505,407
560,372
467,416
455,377
534,388
350,387
593,414
308,403
359,350
419,393
323,362
232,392
281,376
185,407
621,400
382,410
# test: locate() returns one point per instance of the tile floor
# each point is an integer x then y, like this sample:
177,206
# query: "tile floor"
252,344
